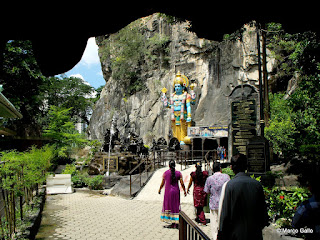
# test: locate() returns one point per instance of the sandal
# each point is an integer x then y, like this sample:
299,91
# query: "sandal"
168,226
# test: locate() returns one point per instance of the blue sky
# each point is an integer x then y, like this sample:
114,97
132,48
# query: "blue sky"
89,67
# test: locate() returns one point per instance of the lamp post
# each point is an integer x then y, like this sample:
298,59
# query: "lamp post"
260,82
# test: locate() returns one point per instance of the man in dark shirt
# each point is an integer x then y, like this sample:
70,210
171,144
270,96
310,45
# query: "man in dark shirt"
244,212
307,216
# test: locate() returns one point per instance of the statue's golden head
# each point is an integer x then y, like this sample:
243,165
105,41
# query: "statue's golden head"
181,79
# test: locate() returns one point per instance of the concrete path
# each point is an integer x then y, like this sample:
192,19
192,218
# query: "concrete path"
86,215
150,191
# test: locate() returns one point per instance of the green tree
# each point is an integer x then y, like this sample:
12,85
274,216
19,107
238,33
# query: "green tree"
69,92
32,93
305,103
295,121
21,174
21,81
281,129
62,131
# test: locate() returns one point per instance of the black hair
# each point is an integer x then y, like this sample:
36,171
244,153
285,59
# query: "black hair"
314,186
199,174
216,167
172,166
239,163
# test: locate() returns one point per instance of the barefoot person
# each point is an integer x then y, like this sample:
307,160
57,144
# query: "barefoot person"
171,200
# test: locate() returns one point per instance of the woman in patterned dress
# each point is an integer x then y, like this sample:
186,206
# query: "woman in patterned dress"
199,178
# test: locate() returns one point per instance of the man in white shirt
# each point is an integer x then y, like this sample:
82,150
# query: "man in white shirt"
213,186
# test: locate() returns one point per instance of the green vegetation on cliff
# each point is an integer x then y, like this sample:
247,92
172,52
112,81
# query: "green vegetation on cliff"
130,50
295,115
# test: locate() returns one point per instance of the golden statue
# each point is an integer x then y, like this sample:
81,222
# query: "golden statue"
180,105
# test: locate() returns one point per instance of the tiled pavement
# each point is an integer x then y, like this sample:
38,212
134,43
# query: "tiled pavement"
87,215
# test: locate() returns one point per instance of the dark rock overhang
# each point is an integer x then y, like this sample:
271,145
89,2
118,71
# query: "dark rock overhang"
59,32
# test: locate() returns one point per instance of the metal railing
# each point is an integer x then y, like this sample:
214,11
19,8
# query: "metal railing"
147,164
160,158
187,157
189,230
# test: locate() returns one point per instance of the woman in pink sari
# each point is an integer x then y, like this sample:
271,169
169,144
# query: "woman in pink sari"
171,201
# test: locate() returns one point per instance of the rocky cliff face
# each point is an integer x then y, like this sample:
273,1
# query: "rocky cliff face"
216,68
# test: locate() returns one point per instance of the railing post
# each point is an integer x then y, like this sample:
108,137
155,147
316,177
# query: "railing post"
185,162
180,159
140,174
130,185
189,230
148,167
182,229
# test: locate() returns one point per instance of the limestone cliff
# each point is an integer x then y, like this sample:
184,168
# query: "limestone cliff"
168,47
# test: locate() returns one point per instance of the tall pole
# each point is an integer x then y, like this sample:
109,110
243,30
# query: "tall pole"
260,82
265,78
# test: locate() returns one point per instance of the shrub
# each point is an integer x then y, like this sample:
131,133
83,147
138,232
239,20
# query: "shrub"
21,174
70,169
228,171
282,203
79,180
95,183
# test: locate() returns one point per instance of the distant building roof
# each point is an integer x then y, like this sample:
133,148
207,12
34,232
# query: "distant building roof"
7,110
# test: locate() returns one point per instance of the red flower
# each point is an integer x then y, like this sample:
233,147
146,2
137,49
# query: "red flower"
281,197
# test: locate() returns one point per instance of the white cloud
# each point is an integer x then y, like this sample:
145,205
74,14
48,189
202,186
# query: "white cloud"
90,55
78,75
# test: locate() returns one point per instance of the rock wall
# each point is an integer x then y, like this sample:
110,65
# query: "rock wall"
216,67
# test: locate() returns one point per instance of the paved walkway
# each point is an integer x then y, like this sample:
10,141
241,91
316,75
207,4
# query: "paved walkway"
86,215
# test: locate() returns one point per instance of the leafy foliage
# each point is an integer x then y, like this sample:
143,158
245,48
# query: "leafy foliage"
62,132
78,179
21,173
95,183
282,203
129,50
281,129
228,171
67,92
294,118
32,93
21,80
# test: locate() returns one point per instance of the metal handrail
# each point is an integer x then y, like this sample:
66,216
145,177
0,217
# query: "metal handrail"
150,162
146,160
189,230
189,157
136,167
